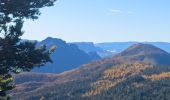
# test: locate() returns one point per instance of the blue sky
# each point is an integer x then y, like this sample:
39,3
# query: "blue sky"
103,21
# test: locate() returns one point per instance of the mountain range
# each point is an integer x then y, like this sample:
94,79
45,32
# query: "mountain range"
120,46
140,72
108,49
91,47
65,57
72,55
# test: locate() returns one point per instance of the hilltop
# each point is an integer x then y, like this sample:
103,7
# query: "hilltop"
145,53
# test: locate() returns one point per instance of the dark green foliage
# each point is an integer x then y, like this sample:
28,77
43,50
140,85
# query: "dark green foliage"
17,56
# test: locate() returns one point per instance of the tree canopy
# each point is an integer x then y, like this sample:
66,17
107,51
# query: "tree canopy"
16,55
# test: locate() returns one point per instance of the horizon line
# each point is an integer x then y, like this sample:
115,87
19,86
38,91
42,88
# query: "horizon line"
130,41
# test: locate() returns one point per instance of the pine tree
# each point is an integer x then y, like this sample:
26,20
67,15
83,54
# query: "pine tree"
15,55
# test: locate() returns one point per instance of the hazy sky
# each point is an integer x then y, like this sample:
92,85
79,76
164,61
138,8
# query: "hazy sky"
103,21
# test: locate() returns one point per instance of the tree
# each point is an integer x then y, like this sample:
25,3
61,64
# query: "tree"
15,55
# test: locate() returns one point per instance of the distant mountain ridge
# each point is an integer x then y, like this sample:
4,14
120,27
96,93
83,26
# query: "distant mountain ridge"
108,49
88,52
120,46
65,57
142,49
145,53
87,46
91,47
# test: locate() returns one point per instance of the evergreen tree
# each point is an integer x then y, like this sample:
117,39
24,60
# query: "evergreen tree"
15,55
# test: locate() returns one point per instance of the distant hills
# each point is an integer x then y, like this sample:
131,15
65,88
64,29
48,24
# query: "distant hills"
66,57
126,76
87,46
91,47
120,46
145,53
108,49
71,55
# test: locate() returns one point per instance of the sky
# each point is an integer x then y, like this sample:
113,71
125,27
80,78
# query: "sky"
103,21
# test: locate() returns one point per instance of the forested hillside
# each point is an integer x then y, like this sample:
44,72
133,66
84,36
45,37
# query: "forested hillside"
116,78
